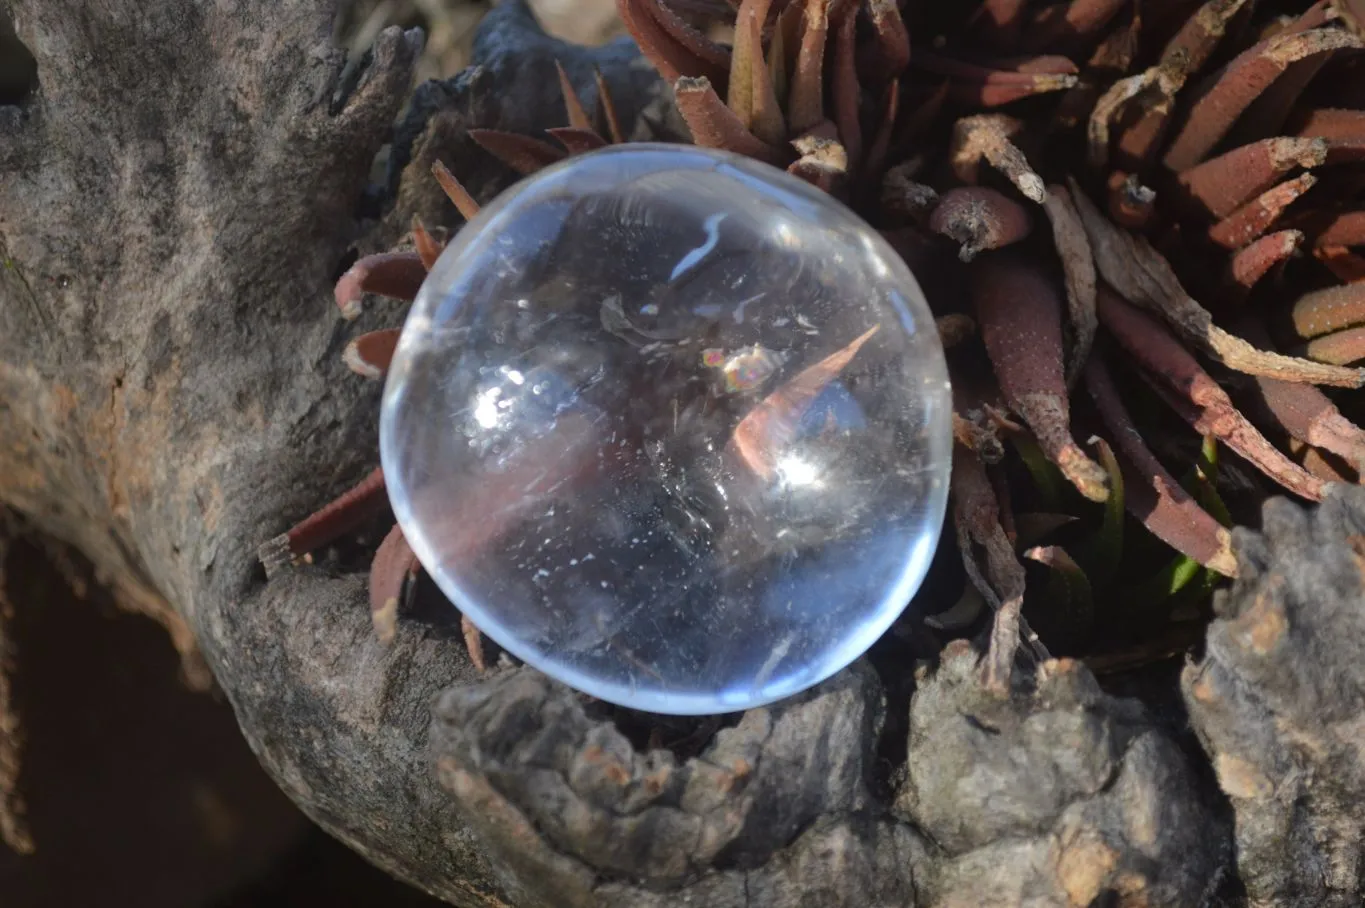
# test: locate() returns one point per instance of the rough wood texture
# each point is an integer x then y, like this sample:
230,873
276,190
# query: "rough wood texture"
1278,701
175,202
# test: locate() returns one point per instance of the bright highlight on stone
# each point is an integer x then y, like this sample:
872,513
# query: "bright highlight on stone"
673,427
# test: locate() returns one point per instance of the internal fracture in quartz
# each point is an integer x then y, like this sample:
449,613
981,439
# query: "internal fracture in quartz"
672,426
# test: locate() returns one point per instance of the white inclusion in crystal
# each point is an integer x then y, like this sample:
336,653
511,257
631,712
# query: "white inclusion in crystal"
649,309
712,227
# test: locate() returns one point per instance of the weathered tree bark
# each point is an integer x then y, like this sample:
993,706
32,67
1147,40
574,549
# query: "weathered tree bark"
175,202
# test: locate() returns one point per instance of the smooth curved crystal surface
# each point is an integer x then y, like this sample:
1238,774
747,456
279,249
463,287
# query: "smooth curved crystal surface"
671,426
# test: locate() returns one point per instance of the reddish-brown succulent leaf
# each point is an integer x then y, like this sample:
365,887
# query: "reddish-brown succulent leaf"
1078,268
393,569
985,86
1019,311
345,514
573,105
1253,261
606,109
1240,83
428,248
1267,114
1342,262
901,194
1151,494
714,125
1343,228
1257,216
1331,123
954,329
459,196
1156,88
1192,392
1071,25
1141,276
988,136
769,123
1305,412
371,353
976,518
889,52
524,154
688,36
1328,310
805,100
845,95
1106,110
979,218
672,57
1131,204
1227,182
747,57
577,141
394,274
1339,349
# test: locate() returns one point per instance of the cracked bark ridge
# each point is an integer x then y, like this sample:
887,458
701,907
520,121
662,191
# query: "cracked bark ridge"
775,812
1279,701
1057,795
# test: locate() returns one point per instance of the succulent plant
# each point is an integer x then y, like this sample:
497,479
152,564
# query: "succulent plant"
1153,210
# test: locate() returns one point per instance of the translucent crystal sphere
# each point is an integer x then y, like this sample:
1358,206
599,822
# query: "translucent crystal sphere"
672,427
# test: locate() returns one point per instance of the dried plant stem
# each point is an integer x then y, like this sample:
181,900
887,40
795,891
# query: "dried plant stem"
976,518
1078,267
1141,276
988,136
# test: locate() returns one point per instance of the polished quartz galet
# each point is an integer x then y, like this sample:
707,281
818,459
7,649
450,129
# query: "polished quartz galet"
673,427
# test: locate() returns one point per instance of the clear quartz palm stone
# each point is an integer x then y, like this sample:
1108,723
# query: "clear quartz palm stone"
672,427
